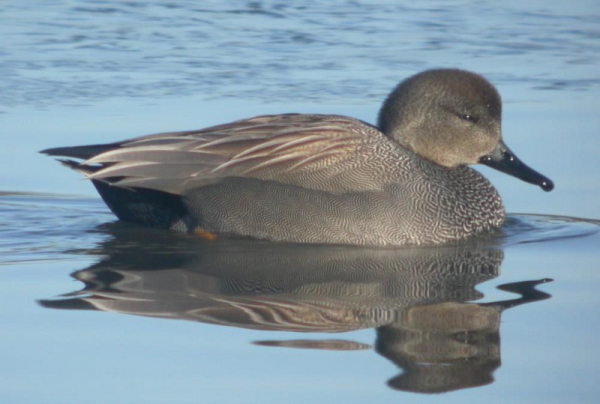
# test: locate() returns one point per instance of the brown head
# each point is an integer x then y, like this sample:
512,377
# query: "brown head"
453,118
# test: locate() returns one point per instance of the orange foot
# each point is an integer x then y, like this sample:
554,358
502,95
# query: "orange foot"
206,235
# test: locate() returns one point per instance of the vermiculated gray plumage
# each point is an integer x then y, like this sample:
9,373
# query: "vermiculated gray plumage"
319,178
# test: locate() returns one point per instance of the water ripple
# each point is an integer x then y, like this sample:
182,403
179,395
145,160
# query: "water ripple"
524,229
66,53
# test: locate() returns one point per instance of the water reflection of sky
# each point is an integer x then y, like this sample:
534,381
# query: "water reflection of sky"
98,71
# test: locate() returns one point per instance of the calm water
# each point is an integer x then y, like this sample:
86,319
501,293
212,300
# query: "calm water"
88,305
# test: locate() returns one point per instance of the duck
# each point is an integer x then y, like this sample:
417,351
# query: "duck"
320,178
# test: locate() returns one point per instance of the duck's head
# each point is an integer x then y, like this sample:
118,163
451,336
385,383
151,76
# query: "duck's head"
452,118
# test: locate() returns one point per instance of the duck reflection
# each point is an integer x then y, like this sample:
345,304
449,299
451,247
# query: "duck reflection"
416,299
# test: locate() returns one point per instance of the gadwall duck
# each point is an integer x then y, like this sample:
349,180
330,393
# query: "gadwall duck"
312,178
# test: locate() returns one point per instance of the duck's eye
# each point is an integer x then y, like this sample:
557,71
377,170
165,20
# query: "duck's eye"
468,118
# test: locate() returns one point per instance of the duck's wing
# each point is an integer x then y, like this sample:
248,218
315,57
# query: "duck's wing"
313,151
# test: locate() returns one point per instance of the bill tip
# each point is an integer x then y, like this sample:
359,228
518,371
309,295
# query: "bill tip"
547,185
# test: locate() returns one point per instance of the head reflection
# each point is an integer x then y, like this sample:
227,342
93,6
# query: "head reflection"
451,345
417,299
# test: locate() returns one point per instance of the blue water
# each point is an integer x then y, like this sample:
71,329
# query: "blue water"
88,306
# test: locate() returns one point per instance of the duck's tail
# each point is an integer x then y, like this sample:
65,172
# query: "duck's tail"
80,152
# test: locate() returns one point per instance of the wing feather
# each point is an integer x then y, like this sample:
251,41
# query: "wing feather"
303,150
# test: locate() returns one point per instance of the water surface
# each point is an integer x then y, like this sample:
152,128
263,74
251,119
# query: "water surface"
98,311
